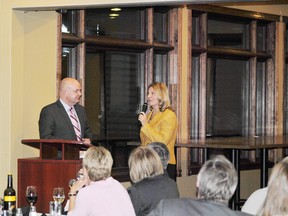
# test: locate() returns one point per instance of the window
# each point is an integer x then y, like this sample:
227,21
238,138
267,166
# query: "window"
124,23
226,97
116,53
223,31
232,77
160,20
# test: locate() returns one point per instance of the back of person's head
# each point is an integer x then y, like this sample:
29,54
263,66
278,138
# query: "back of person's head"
163,152
276,202
144,163
163,93
98,163
217,180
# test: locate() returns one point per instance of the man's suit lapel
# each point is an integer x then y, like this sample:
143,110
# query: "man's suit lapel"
63,114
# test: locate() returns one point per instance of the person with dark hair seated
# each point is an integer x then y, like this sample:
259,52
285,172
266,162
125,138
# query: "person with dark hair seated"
149,184
216,183
163,152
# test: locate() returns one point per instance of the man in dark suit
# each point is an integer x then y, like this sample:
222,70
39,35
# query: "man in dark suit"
56,121
216,183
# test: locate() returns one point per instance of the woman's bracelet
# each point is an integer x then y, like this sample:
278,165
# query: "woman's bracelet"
72,194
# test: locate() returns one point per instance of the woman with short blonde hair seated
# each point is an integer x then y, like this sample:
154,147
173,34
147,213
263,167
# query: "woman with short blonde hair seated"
102,194
149,186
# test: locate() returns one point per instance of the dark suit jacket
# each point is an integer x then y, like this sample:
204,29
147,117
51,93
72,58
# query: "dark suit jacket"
54,123
146,194
193,207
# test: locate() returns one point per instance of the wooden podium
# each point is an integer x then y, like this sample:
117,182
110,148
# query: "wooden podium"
58,163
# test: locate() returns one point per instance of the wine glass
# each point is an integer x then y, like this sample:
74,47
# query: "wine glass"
58,194
31,195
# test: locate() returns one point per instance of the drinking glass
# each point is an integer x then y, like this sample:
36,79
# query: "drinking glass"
58,194
31,195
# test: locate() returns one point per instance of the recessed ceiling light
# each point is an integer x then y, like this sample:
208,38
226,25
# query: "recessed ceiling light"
258,15
115,9
114,15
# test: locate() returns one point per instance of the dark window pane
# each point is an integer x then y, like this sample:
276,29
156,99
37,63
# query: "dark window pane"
260,98
225,98
112,93
160,26
261,38
226,33
160,68
195,30
195,88
69,21
128,23
69,59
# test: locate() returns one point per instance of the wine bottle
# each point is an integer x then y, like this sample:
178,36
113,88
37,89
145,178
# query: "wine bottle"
10,195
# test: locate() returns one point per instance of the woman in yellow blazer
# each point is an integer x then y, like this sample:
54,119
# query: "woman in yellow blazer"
160,123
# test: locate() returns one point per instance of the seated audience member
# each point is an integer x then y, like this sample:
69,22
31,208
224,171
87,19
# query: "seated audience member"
163,152
276,200
150,185
102,194
216,183
255,201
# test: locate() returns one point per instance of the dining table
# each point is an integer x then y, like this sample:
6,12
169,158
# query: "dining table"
236,145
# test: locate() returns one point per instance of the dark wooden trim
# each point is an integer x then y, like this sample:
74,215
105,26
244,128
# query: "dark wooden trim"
100,41
202,95
59,53
162,48
81,54
71,38
217,51
235,53
235,12
198,50
232,53
261,56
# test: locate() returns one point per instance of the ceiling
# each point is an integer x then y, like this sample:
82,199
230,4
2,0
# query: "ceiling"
58,5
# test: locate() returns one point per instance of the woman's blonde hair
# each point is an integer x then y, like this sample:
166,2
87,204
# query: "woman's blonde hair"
144,163
162,91
98,163
276,201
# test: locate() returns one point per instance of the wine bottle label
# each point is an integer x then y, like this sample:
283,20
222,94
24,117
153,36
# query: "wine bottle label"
9,198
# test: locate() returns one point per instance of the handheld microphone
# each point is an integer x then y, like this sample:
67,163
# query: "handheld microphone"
71,182
144,107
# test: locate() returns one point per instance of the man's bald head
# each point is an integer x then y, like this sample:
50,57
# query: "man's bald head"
70,91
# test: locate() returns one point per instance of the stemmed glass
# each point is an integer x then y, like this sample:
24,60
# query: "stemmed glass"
58,194
31,195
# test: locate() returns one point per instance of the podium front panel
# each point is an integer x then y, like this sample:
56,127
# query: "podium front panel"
45,175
